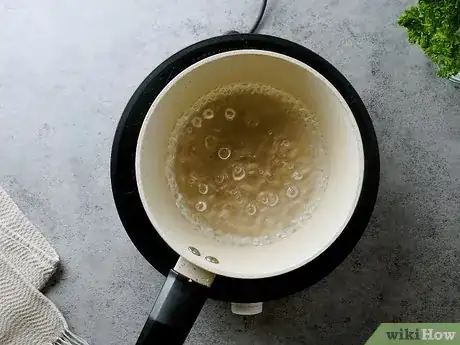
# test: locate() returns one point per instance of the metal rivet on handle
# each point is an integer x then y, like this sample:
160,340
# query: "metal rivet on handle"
212,259
194,251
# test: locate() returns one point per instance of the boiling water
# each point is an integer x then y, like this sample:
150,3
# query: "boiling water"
246,164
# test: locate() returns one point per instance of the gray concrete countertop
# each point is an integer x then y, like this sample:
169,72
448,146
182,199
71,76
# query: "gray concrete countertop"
67,68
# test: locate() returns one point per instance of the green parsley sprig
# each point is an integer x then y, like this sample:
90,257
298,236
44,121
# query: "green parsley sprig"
435,26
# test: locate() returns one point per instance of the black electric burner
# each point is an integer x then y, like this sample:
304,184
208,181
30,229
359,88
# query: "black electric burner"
142,232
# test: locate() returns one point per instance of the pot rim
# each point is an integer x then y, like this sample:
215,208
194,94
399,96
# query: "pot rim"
136,222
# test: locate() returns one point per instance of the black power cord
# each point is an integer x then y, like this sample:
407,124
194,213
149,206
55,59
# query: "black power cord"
259,17
258,20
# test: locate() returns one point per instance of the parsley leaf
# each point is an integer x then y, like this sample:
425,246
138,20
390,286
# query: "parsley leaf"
435,26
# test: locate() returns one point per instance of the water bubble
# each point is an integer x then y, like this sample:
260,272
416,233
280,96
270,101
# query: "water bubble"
270,132
208,114
297,175
210,142
224,153
266,240
281,235
238,172
256,242
272,199
189,130
192,178
269,177
221,178
263,198
201,206
252,169
196,122
230,114
292,192
285,143
202,188
261,171
251,209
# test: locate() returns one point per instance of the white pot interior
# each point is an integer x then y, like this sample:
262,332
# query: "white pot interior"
343,146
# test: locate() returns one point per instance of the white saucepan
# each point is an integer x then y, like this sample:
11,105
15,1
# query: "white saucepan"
201,258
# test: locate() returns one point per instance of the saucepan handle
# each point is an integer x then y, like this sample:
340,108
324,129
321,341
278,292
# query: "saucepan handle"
175,311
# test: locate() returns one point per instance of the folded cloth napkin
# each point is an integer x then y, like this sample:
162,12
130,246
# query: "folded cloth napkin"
27,261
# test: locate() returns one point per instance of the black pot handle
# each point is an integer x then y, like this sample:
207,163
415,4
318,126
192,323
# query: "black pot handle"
175,311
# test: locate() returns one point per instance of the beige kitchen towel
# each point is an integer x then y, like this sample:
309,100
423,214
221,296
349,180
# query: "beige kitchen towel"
27,261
